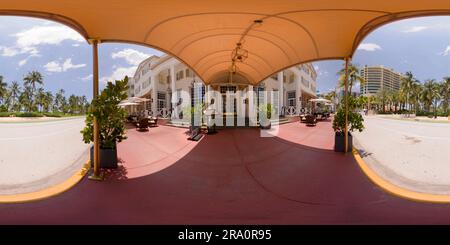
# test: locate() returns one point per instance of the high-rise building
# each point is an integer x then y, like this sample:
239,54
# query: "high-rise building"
378,78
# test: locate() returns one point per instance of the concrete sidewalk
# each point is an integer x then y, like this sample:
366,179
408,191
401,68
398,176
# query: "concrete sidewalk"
412,155
34,156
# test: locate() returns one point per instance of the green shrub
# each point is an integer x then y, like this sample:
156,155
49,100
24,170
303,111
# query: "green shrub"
265,110
29,114
385,113
110,116
53,114
6,114
3,108
189,110
355,121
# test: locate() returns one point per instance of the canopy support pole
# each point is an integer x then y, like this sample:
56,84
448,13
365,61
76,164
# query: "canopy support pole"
96,175
347,61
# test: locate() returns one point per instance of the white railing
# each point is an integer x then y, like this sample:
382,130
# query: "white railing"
164,113
290,110
294,110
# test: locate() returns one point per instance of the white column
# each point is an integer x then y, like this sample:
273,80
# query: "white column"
298,94
280,91
174,92
251,106
154,96
207,95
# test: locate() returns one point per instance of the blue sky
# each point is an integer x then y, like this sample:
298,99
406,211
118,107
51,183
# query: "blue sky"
420,45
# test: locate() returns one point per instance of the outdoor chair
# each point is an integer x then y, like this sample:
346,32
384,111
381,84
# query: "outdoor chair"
311,120
319,116
142,125
302,118
196,134
153,122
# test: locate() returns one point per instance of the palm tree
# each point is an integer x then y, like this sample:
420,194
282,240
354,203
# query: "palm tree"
371,99
84,104
354,76
416,93
3,89
74,104
7,100
362,102
445,94
406,87
60,101
430,94
40,98
390,98
330,96
31,79
395,95
26,98
14,94
382,98
48,101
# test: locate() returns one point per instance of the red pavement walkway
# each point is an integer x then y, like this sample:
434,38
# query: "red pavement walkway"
232,177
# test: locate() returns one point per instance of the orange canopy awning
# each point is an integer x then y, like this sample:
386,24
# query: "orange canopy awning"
203,33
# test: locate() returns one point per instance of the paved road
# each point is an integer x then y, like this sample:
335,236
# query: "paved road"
34,156
415,155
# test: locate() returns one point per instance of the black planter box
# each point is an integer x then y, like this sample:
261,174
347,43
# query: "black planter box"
108,158
339,143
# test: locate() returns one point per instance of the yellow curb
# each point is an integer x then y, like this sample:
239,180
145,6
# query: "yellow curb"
49,192
396,190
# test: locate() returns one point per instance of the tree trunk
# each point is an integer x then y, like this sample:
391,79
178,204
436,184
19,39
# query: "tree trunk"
435,109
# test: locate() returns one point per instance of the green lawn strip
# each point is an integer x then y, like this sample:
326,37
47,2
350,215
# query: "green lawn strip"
43,121
415,120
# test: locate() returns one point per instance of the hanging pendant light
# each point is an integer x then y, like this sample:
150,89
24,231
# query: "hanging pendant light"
239,54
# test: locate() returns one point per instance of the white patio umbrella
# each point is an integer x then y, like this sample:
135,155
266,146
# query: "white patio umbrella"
138,100
320,100
123,104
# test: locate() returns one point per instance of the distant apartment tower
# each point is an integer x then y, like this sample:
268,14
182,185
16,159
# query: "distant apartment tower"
378,78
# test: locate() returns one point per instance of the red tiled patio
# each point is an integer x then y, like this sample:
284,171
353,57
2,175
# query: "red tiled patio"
231,177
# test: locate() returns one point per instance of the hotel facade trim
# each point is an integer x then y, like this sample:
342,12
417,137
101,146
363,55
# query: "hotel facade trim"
168,84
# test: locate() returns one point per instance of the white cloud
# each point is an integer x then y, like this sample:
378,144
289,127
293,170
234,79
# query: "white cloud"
87,78
415,29
369,47
39,35
23,62
8,51
55,66
28,40
133,57
76,45
119,74
446,51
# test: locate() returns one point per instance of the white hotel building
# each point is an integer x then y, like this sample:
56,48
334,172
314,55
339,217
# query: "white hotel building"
164,80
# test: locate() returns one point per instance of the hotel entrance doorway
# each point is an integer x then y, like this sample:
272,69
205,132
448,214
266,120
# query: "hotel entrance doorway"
229,110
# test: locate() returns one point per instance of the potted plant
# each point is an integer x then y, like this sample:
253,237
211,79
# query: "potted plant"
110,117
265,114
355,122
